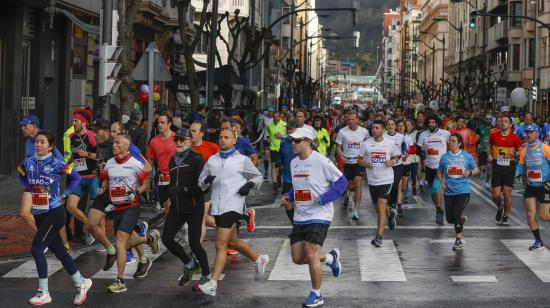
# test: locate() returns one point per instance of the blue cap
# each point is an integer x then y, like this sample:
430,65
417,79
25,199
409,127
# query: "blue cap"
30,119
270,109
532,127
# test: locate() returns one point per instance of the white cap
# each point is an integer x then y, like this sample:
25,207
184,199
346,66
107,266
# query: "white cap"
302,132
504,109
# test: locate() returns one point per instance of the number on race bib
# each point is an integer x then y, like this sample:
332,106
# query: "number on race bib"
164,179
534,175
433,152
118,194
41,201
503,160
354,145
80,164
455,172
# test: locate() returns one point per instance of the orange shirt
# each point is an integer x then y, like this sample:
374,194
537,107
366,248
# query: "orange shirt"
162,151
206,149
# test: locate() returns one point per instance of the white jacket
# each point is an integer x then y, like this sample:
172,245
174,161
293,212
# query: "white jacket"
231,174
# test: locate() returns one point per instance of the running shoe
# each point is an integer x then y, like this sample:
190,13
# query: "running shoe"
400,210
89,239
232,252
82,291
142,228
117,287
143,269
336,266
458,245
355,215
259,267
130,258
377,241
265,176
251,224
109,261
346,201
414,190
195,287
505,220
391,219
187,274
41,298
406,200
313,300
439,217
498,217
153,241
487,185
209,287
536,245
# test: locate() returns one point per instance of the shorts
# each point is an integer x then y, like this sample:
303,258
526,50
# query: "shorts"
483,158
101,202
286,187
164,193
502,176
351,171
88,186
539,192
407,170
431,175
276,159
125,220
227,220
380,192
312,233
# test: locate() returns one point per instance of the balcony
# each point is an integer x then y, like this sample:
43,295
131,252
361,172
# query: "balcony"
493,4
497,35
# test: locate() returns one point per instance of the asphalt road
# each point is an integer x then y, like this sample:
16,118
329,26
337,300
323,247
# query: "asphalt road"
416,266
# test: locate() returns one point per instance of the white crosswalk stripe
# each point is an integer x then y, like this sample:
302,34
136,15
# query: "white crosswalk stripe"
379,263
28,269
537,261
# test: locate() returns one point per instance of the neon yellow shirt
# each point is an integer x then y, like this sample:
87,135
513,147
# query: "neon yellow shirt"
271,130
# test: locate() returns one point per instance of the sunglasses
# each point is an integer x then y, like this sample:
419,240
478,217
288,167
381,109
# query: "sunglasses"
176,139
296,141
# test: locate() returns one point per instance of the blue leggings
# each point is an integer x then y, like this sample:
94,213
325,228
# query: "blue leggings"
48,225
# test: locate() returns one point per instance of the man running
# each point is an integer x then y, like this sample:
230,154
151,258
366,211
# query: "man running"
316,184
454,169
503,148
231,176
348,142
535,158
275,133
469,136
379,154
434,144
322,135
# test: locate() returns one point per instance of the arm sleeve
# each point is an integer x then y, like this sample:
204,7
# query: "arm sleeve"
22,175
252,174
290,195
74,179
335,191
204,173
151,152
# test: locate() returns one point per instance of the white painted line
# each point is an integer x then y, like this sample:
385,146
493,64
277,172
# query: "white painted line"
474,279
28,269
444,241
379,263
130,269
420,201
198,277
444,227
285,269
491,203
537,261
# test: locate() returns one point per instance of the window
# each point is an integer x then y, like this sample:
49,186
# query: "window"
202,45
286,19
389,50
531,53
515,10
516,56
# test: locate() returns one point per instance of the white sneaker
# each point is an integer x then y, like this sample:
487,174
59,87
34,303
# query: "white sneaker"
488,185
81,292
260,267
209,288
41,298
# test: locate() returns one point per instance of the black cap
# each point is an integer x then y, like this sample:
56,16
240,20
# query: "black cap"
100,123
291,124
183,133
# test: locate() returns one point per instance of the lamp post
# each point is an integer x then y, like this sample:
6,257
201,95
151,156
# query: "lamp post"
442,58
461,46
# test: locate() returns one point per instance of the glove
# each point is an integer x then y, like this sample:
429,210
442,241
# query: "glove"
133,195
209,179
245,189
109,208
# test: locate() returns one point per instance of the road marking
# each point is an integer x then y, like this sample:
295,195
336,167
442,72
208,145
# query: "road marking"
130,269
379,263
285,269
28,269
198,277
474,279
537,261
444,241
444,227
491,203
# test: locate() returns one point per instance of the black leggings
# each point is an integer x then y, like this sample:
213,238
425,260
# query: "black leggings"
397,175
454,207
47,235
173,224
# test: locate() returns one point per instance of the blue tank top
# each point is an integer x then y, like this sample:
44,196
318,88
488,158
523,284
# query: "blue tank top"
538,164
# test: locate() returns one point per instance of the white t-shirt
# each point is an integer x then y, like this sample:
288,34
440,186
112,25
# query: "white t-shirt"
123,178
435,144
311,178
397,140
351,140
378,153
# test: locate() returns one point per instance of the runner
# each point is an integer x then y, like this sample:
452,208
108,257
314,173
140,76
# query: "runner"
124,179
231,176
379,154
413,161
470,138
334,146
41,175
434,144
408,154
483,130
300,117
535,159
244,146
322,135
287,155
316,184
503,147
455,167
420,128
348,142
188,207
161,149
275,132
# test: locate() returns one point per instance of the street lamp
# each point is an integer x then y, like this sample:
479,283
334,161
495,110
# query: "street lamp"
460,31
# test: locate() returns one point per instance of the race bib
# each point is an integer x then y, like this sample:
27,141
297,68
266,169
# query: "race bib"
354,145
41,201
378,159
80,164
455,172
118,194
503,160
534,175
433,152
164,179
303,197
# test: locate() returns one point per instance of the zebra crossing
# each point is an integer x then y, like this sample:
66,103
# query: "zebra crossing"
401,260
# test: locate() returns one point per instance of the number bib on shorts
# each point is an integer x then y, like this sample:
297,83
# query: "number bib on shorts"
503,160
41,201
164,180
303,197
534,175
80,164
118,195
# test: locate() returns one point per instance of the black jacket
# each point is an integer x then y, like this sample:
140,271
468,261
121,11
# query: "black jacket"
137,134
185,194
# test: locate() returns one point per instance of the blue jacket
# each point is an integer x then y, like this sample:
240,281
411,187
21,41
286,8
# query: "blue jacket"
287,154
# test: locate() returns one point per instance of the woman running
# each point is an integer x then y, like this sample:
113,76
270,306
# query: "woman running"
41,176
408,152
454,169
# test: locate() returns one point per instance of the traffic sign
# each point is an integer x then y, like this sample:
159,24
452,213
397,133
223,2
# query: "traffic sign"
160,70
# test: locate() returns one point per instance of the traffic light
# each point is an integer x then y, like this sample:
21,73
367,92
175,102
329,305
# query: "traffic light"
108,69
534,94
473,19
